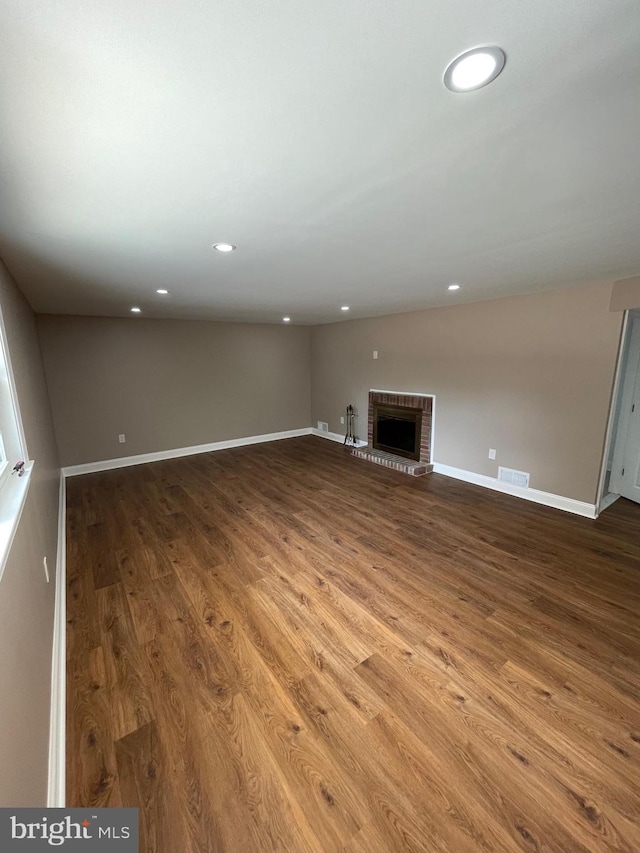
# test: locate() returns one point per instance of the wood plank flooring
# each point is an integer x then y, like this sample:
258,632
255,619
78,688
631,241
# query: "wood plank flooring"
282,648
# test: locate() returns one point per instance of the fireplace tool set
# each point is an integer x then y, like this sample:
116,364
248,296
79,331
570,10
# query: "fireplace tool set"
350,439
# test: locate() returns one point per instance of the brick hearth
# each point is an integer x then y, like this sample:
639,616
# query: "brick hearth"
398,463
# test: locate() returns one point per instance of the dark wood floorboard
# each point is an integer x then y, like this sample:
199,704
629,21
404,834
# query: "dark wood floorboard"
282,648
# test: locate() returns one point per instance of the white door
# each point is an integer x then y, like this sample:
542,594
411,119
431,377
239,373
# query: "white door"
625,473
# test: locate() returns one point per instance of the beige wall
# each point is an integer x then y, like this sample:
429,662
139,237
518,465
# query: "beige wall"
626,294
168,384
26,601
530,376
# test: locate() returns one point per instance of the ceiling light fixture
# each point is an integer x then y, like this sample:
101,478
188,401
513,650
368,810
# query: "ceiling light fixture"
162,291
223,247
454,287
474,69
345,308
286,319
136,310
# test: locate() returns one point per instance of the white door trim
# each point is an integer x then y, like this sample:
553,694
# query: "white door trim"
628,382
57,734
610,438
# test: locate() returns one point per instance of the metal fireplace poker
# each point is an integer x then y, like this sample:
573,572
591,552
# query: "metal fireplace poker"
350,439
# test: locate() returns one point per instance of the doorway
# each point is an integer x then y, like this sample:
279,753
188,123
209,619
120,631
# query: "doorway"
622,475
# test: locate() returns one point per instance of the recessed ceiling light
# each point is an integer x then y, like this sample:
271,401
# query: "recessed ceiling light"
136,310
286,319
454,287
345,308
474,69
162,291
223,247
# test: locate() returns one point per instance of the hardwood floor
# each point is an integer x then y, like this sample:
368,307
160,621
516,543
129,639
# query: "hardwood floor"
282,648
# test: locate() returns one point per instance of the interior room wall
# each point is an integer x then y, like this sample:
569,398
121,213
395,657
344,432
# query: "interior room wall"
168,384
626,294
530,376
26,600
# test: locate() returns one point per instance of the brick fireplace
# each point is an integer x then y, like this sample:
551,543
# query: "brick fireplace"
422,402
413,458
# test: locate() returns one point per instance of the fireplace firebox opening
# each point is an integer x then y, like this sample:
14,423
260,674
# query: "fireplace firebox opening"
397,429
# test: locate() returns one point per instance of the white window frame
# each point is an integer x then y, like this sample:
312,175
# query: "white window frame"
13,488
4,462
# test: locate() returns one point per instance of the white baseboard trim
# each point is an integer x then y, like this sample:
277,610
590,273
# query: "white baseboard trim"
606,501
160,455
57,734
335,436
547,498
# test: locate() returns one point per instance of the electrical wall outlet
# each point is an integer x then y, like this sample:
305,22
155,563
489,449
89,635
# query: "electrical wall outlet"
492,454
122,438
46,568
375,353
341,419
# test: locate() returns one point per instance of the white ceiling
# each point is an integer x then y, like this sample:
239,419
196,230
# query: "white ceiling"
319,138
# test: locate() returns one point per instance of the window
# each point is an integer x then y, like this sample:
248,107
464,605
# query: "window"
13,448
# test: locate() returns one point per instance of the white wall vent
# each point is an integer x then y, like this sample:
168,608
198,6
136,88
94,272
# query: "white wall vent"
323,426
514,478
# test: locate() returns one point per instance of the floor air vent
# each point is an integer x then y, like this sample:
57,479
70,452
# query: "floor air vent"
323,426
514,478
